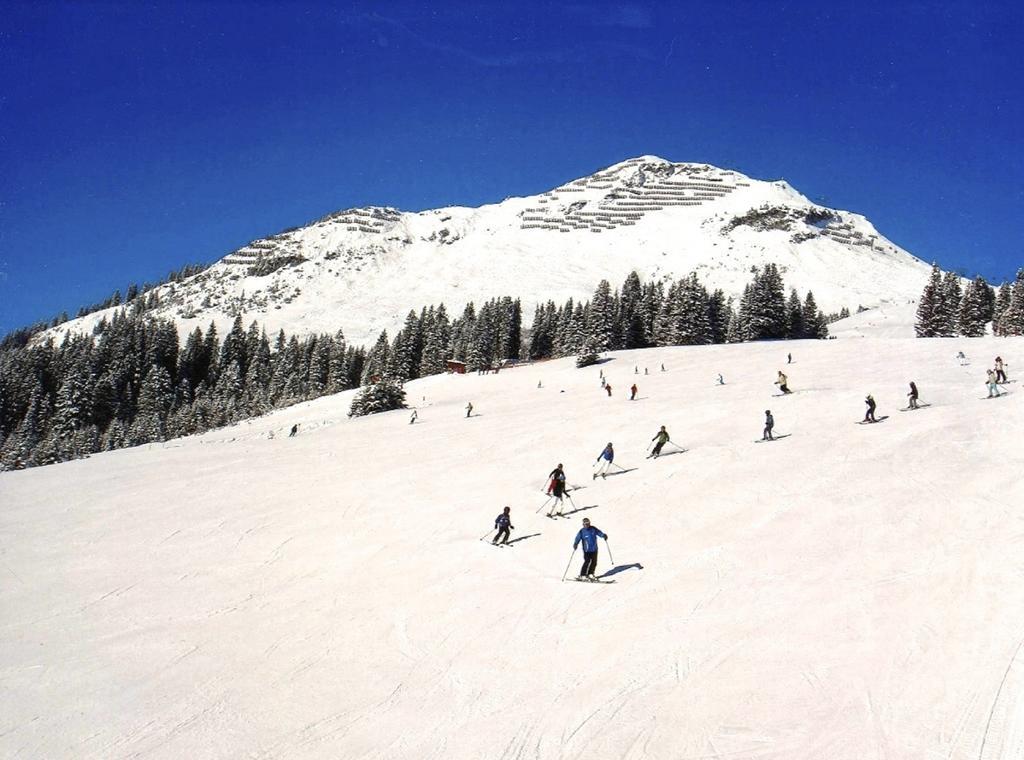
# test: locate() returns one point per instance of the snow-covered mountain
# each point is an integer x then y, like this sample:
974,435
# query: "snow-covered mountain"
362,269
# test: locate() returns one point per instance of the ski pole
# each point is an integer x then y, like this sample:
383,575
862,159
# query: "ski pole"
485,535
606,546
574,508
543,505
677,445
569,563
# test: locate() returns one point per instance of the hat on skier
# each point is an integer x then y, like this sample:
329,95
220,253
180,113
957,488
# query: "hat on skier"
507,509
586,521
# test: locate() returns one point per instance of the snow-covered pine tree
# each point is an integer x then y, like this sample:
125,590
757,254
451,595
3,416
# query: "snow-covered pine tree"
718,316
929,306
600,327
376,359
795,317
950,305
1002,303
631,312
1012,321
815,324
379,397
337,369
971,315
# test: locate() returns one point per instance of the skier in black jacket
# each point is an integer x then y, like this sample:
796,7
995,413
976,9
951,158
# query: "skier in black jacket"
869,416
769,423
503,523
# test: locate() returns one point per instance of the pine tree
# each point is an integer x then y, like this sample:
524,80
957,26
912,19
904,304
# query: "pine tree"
795,317
949,305
815,324
378,397
1012,320
971,317
1002,303
376,360
929,306
600,323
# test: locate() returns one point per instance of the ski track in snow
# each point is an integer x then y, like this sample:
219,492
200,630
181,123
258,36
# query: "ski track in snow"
844,596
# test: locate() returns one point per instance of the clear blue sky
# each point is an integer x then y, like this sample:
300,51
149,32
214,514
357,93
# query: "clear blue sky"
137,137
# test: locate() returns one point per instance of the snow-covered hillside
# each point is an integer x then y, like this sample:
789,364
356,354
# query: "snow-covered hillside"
848,592
363,269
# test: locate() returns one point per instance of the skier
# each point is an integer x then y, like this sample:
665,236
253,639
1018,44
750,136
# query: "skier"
721,380
783,383
645,370
588,535
538,384
769,423
632,392
503,524
636,370
869,415
558,492
662,367
993,386
608,455
412,419
555,475
1000,375
913,395
662,438
295,429
961,357
609,389
469,409
789,358
603,382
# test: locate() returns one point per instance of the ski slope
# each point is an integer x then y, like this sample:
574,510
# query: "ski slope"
849,592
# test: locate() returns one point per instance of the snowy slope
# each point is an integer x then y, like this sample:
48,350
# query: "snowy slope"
848,592
363,269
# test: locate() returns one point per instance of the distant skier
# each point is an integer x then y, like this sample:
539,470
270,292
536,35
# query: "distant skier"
783,383
913,395
662,367
632,392
609,389
993,386
662,438
789,358
412,419
558,492
557,474
1000,374
769,423
606,459
295,430
603,381
503,523
869,415
962,358
469,409
636,370
588,536
538,384
721,380
645,370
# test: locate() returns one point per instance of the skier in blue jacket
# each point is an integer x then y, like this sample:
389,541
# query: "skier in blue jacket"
588,535
503,523
606,458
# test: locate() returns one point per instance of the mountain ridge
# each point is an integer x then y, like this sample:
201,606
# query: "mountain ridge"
362,269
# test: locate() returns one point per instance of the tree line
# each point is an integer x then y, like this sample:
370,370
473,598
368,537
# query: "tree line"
131,382
946,309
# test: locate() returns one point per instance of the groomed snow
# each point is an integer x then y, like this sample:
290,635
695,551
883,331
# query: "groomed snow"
847,592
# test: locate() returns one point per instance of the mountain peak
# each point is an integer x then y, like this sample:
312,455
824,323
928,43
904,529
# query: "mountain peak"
363,269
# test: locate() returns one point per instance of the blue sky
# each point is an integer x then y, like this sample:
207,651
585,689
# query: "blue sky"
138,137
